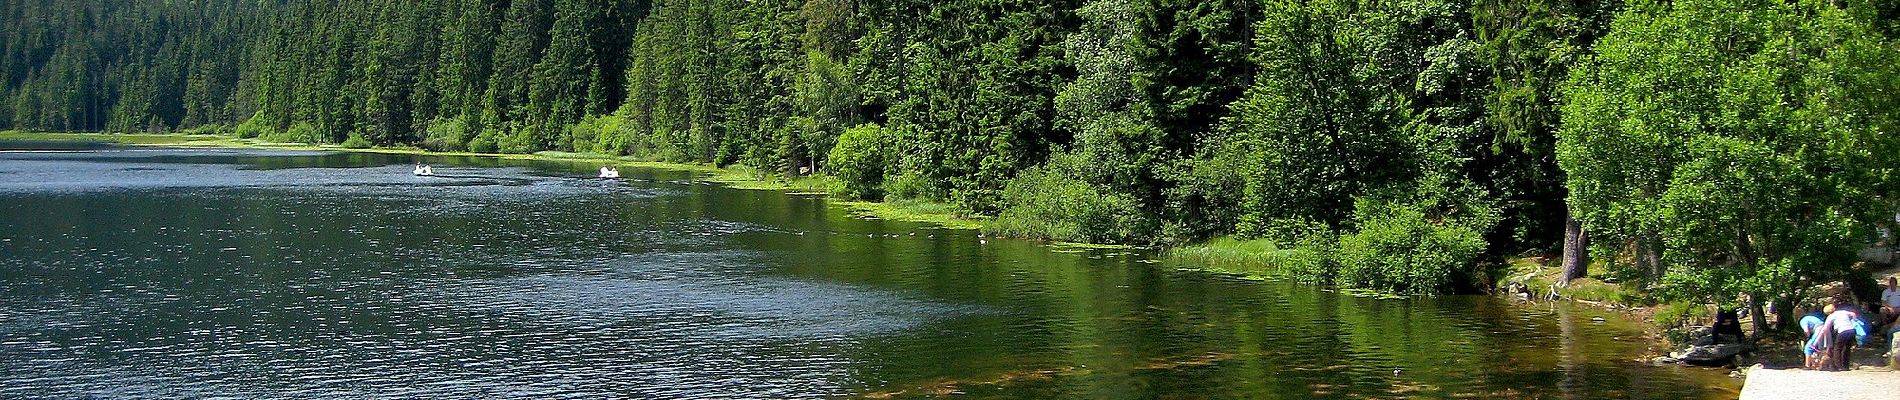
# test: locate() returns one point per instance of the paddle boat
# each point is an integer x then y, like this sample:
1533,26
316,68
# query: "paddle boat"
423,170
609,172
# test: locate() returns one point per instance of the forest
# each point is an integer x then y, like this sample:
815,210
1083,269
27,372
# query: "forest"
1730,151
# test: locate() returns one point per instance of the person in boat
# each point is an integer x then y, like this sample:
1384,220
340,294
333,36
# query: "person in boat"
423,170
610,172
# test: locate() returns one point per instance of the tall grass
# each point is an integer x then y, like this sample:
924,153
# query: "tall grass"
1255,258
916,210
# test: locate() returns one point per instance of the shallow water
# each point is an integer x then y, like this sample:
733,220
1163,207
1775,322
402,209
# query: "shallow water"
166,273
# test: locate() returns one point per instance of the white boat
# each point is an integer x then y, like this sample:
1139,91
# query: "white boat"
609,173
424,170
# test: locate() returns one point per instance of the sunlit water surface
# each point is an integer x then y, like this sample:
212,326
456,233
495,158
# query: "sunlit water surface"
169,273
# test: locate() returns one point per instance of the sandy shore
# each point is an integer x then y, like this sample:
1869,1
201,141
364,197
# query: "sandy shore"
1869,383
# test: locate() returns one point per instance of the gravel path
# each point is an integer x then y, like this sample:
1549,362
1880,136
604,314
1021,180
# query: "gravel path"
1864,383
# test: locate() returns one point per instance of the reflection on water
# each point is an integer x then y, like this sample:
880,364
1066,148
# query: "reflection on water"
197,273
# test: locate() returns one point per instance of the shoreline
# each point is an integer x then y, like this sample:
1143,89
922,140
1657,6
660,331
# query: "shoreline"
900,210
915,211
736,178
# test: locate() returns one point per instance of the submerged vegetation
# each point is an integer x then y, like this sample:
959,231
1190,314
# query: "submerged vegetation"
1703,149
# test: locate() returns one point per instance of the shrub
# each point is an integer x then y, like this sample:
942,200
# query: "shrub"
485,141
1311,260
1293,231
357,141
595,134
1049,202
447,134
519,140
304,132
907,185
300,132
629,139
858,161
253,127
1397,249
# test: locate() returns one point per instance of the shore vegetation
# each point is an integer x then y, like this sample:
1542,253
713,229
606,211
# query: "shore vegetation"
1732,152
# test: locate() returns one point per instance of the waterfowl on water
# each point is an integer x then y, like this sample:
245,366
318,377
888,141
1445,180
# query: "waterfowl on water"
423,170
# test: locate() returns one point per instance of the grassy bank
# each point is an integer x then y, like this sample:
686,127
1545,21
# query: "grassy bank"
1251,259
738,177
129,139
1261,259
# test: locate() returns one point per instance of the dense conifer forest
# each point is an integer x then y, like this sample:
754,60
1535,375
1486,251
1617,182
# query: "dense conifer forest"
1707,147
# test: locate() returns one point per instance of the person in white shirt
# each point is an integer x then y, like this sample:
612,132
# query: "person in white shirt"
1889,304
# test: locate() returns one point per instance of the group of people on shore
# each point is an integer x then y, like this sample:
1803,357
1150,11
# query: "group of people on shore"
1837,328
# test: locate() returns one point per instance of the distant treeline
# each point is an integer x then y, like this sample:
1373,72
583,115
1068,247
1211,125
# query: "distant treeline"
1394,142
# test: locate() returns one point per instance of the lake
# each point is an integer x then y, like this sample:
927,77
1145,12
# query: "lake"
191,273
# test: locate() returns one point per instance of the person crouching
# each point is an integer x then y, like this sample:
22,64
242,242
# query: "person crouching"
1838,333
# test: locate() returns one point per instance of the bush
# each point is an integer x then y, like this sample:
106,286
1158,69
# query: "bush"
1311,260
519,140
595,134
1675,317
253,127
357,141
447,134
1049,202
906,185
1397,249
485,142
301,132
1294,231
858,161
630,140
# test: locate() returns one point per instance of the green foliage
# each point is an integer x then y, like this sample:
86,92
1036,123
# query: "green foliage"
1757,154
1529,47
1398,249
301,132
253,127
1681,314
486,141
447,134
1312,260
905,185
1307,262
596,134
858,161
520,139
1252,257
1049,202
1750,141
356,140
1323,121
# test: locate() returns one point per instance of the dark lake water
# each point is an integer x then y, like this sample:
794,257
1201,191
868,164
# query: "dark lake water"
180,273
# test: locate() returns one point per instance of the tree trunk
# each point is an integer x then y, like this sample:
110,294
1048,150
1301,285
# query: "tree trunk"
1576,245
1756,317
1784,313
1649,258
